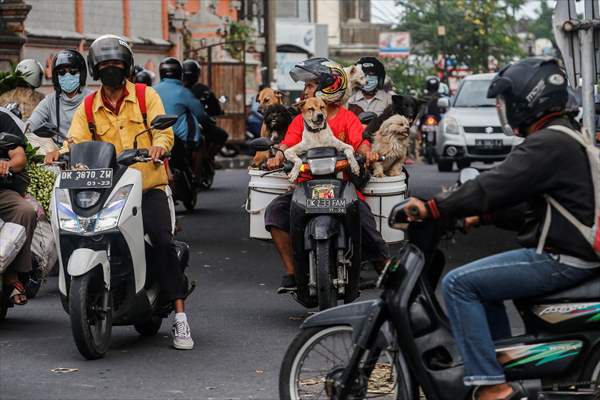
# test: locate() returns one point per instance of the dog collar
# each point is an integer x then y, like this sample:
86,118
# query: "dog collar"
313,130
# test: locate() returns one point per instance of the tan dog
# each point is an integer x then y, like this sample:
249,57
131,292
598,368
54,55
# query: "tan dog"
391,141
356,79
266,97
317,134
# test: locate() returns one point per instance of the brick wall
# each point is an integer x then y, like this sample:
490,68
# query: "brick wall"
58,15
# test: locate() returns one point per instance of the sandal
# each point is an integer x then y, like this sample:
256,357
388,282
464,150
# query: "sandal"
518,392
18,290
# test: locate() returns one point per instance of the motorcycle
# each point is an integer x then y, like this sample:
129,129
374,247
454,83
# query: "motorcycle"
402,341
326,233
428,131
97,224
183,182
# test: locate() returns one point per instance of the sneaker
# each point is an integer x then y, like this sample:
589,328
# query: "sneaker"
288,284
182,337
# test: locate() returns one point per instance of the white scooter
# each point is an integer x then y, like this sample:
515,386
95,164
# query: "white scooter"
97,225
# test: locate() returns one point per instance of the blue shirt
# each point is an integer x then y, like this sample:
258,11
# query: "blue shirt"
179,100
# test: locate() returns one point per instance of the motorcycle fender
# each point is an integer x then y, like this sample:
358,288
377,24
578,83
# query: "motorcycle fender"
322,227
353,314
84,260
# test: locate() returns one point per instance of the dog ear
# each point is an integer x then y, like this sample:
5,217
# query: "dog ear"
299,104
398,100
280,95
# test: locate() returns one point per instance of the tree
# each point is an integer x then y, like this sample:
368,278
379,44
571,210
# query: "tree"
475,29
408,75
541,27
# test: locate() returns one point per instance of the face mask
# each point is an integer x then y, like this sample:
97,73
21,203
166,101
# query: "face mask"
112,76
371,84
68,83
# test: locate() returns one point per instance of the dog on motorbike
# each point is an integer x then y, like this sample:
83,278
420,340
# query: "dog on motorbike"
317,133
277,118
391,141
356,80
266,98
407,106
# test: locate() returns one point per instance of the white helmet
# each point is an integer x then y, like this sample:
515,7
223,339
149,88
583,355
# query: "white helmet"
32,71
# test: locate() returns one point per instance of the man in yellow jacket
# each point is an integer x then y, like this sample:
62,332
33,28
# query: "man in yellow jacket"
117,118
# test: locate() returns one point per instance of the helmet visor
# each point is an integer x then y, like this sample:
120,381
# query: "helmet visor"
502,115
300,74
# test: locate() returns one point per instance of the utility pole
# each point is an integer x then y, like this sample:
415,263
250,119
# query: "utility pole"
270,14
441,32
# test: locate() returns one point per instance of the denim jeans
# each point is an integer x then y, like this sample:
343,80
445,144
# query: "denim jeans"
474,296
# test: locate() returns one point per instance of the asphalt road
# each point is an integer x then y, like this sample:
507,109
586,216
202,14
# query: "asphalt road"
240,326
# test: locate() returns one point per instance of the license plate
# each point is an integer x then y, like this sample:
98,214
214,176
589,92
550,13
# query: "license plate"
327,206
489,143
86,178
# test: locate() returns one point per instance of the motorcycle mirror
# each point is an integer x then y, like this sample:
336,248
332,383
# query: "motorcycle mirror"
127,156
443,103
8,141
164,121
398,218
261,144
47,130
467,174
223,99
366,116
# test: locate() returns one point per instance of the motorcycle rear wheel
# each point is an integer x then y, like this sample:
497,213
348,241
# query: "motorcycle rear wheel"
325,265
3,307
297,362
91,314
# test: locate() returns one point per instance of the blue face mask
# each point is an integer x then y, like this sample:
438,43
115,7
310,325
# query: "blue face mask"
371,84
68,83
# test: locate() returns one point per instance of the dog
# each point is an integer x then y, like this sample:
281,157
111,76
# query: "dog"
356,80
317,134
266,98
391,141
276,120
407,106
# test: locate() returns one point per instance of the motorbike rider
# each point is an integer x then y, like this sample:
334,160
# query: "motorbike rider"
144,76
117,118
326,79
215,136
371,97
25,94
14,208
69,74
531,96
431,96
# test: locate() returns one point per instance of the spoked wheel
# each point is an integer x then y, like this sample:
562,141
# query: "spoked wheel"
325,262
150,327
91,314
317,357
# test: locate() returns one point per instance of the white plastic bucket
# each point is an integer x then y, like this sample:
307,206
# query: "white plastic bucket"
261,191
382,194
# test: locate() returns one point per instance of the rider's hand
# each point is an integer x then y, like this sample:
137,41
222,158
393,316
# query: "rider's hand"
412,203
156,152
471,222
275,162
4,167
51,156
371,157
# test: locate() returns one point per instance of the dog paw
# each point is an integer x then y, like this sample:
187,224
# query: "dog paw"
355,168
293,176
378,174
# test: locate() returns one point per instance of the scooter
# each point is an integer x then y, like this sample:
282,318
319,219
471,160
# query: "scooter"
326,233
428,130
402,340
184,183
97,224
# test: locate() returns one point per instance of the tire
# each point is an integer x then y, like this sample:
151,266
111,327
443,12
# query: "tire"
463,164
445,166
3,307
190,203
295,357
87,292
591,370
149,328
229,151
325,265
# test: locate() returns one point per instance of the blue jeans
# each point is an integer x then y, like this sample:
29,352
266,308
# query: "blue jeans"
474,296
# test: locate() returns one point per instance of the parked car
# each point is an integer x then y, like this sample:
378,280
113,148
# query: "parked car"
470,129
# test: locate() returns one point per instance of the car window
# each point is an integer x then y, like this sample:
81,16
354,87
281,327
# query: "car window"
473,93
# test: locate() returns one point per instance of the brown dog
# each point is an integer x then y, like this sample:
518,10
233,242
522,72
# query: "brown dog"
266,97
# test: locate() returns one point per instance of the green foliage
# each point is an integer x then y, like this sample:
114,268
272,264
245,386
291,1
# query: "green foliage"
41,181
10,80
475,29
238,32
541,27
408,76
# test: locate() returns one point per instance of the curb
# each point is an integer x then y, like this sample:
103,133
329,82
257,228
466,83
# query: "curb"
237,162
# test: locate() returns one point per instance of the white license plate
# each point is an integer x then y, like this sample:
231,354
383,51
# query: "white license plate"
86,178
489,143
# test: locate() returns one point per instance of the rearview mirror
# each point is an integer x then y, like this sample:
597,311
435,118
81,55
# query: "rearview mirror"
164,121
443,103
467,174
366,116
398,218
261,144
47,130
8,141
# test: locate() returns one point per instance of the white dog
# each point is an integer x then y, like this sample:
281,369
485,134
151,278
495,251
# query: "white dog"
317,134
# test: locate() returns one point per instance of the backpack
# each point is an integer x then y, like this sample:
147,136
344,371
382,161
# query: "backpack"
591,234
140,94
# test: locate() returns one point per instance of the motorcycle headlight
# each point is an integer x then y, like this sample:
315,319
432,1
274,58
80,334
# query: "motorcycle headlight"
451,126
108,218
67,219
322,166
87,198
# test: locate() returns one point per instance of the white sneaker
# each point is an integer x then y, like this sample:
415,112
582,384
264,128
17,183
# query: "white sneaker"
182,338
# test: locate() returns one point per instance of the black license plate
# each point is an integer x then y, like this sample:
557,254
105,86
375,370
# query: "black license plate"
86,178
489,143
326,206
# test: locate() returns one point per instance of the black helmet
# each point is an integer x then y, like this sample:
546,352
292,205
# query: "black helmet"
170,67
69,58
191,72
372,66
144,76
432,84
330,76
528,90
109,48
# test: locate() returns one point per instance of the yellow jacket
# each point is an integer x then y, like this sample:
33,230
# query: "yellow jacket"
120,130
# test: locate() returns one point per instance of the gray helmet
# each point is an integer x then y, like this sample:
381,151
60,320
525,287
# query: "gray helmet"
32,71
109,48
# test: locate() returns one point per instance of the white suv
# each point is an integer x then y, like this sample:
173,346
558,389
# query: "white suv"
470,129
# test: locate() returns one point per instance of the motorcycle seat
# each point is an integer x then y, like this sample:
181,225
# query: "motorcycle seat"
585,291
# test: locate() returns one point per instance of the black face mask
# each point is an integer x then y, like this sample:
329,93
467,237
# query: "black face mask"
112,76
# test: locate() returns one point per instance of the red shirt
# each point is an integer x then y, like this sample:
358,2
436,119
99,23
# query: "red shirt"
107,104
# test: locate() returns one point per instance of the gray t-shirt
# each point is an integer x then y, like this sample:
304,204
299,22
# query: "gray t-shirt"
376,104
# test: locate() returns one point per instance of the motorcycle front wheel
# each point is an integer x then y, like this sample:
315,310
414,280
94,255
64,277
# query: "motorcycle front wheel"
91,314
150,327
318,356
325,265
